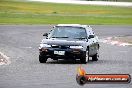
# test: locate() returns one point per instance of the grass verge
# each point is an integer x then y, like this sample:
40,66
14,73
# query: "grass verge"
18,12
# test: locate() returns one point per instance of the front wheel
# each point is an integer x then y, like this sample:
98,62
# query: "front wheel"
42,59
85,57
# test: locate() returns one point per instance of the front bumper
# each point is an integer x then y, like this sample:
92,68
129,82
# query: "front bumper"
69,53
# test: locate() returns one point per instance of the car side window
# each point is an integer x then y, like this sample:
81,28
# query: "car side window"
50,33
90,34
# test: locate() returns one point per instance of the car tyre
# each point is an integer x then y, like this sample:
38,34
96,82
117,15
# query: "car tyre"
85,57
42,59
95,57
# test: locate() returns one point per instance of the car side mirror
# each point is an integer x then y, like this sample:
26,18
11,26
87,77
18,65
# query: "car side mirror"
91,36
45,34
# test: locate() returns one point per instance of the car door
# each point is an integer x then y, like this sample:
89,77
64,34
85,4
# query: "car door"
89,41
92,42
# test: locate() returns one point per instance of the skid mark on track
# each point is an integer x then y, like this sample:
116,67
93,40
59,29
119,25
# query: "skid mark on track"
4,60
109,40
27,47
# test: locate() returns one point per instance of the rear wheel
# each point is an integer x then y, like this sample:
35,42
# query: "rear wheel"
42,59
85,57
95,57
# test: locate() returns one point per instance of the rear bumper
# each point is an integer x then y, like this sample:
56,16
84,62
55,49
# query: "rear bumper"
69,53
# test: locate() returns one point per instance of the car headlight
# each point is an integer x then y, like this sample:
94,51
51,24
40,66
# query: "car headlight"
76,47
44,46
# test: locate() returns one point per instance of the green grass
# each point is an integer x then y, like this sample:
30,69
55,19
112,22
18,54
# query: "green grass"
18,12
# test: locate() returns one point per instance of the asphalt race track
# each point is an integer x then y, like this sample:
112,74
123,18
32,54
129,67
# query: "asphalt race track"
20,43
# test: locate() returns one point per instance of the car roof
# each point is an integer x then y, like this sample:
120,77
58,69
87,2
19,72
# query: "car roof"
73,25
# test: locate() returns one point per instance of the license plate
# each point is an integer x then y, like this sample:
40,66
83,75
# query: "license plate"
59,52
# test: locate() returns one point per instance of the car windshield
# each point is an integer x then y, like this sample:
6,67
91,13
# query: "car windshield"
68,32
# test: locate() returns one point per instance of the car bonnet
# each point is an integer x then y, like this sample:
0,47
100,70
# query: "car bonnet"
63,42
